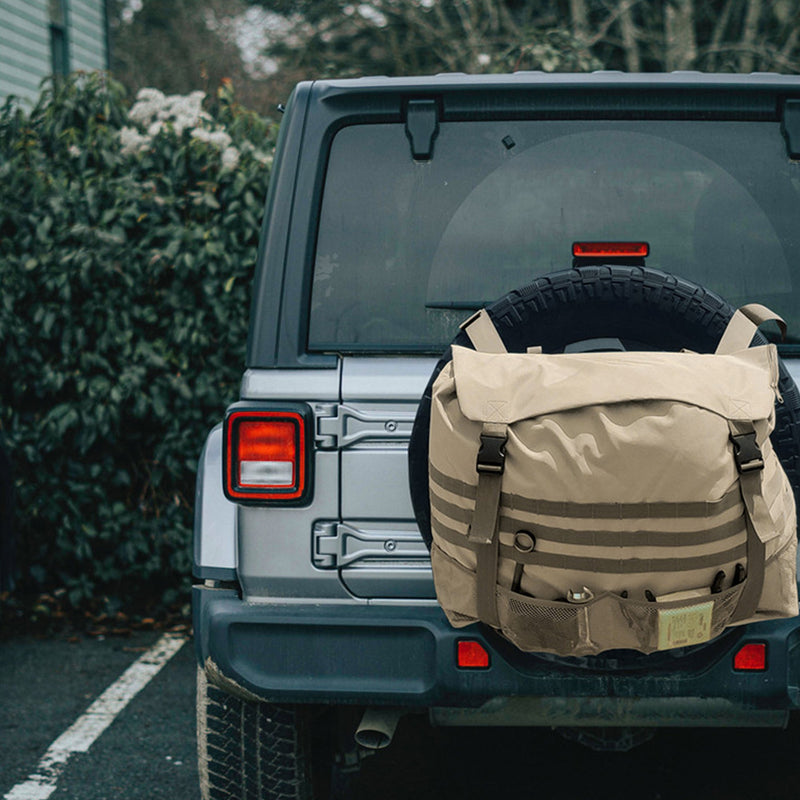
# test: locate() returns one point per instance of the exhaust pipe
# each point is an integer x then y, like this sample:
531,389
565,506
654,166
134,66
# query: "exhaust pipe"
377,728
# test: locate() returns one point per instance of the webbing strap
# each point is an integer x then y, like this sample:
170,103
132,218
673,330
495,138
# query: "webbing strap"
559,508
632,538
483,531
487,504
598,537
483,334
606,566
625,566
759,526
743,325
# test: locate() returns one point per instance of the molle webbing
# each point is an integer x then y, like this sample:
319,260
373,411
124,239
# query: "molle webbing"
560,508
620,566
597,537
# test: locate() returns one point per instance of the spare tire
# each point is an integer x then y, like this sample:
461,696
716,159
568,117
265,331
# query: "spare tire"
645,309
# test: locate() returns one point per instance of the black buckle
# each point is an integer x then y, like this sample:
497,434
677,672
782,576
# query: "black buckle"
747,452
492,455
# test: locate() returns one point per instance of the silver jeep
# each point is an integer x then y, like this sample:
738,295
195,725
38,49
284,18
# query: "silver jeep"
396,208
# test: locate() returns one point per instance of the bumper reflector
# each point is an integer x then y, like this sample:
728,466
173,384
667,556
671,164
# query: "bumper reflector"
472,655
751,658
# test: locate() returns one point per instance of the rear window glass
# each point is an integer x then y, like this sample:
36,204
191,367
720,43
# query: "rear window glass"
405,249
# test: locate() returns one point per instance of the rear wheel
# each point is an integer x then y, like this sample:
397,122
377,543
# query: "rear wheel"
249,750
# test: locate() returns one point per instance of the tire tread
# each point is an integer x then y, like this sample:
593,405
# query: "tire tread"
249,750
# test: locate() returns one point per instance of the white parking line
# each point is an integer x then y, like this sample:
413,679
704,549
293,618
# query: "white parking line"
80,736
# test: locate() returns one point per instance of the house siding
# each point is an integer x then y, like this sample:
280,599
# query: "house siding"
25,58
87,35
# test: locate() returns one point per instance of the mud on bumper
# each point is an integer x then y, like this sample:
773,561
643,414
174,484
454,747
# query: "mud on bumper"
405,655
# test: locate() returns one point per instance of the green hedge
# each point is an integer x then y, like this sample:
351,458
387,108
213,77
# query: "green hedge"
127,242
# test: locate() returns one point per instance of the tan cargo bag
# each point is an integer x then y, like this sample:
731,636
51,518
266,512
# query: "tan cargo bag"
594,501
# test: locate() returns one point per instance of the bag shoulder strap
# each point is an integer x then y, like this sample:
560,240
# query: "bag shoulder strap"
483,334
759,521
483,532
743,325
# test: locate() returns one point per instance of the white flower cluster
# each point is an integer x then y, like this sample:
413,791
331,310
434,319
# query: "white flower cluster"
222,141
154,112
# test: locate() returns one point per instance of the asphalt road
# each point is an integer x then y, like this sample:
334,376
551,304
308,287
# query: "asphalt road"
148,751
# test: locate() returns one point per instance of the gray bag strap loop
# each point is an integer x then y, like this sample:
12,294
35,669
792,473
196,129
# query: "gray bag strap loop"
750,465
743,325
483,531
483,334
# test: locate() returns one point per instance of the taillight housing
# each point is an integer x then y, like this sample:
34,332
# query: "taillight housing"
267,454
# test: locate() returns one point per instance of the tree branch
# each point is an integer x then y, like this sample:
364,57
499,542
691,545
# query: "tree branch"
680,44
613,16
630,44
749,31
719,31
768,57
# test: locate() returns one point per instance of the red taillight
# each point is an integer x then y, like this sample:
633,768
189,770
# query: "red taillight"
610,249
472,655
265,455
751,658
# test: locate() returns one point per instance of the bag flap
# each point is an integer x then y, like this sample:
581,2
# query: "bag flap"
507,387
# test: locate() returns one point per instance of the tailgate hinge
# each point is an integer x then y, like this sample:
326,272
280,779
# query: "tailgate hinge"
339,545
341,426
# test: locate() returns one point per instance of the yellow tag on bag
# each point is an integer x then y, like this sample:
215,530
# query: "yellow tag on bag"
679,627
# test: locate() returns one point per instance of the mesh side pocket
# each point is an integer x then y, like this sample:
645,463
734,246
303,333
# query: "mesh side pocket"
558,613
542,626
664,626
724,606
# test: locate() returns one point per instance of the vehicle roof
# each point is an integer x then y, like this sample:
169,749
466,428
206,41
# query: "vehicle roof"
541,94
679,79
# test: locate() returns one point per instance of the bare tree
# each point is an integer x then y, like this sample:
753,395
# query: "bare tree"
171,44
711,35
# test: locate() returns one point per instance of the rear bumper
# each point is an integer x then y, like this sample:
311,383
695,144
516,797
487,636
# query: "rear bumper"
405,655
